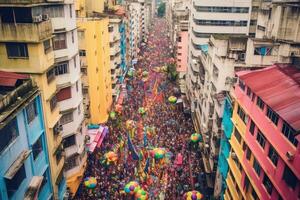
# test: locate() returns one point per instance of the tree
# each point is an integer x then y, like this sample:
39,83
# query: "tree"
172,73
161,9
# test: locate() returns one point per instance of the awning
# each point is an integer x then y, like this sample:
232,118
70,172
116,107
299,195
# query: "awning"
33,188
17,164
96,137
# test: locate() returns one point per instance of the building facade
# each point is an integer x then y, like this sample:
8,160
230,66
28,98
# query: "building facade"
26,46
264,143
95,67
24,171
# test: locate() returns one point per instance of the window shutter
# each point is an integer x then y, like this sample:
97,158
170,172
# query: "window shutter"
64,94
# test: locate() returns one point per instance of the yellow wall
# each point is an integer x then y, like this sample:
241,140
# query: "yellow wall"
96,44
38,61
80,7
94,6
37,65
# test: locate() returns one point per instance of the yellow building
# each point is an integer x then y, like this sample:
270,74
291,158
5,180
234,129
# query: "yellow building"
236,173
94,54
26,48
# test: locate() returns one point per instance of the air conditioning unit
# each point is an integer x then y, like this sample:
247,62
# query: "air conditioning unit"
37,18
242,56
45,17
290,156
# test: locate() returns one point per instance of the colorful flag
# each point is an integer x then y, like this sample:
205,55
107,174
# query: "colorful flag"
146,169
131,148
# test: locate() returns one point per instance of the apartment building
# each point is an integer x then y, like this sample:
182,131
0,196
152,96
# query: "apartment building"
27,46
264,142
115,54
24,169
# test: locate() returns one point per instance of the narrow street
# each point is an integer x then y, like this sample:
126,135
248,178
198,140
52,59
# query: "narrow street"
147,120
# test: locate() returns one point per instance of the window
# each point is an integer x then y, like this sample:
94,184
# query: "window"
260,103
77,86
47,46
289,177
242,114
289,133
242,85
17,50
110,29
45,180
246,183
79,109
50,75
13,184
262,51
248,153
71,162
256,167
53,103
31,111
222,9
61,68
37,148
237,135
82,53
72,32
249,92
273,155
8,134
254,195
272,115
261,139
70,8
253,22
75,64
64,94
268,184
69,141
59,41
66,118
55,11
220,22
252,127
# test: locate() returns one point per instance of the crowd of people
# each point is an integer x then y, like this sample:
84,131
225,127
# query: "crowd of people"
172,132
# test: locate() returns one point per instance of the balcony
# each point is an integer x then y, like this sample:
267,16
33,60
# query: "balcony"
21,1
25,32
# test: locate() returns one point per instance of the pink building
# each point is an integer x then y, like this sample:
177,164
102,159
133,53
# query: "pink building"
182,49
269,103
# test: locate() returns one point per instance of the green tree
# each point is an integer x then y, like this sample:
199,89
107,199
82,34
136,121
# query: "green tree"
172,73
161,9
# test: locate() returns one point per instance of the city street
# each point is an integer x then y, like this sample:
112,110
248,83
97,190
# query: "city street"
147,120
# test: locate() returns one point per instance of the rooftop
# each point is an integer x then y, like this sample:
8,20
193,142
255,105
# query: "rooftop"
279,87
15,90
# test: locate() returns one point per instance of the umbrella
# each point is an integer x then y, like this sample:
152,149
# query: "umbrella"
172,99
193,195
196,137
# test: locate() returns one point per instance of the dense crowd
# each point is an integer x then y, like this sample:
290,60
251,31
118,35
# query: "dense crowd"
172,131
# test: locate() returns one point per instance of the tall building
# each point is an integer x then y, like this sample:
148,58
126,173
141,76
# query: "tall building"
263,161
24,169
69,93
115,54
95,67
26,46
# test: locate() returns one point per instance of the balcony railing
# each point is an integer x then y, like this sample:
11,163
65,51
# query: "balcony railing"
25,32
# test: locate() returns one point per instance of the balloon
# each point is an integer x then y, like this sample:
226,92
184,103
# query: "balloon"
158,153
196,137
193,195
141,194
112,115
172,99
90,182
111,157
142,110
132,187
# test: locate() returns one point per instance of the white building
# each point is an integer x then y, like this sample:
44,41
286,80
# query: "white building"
115,56
68,79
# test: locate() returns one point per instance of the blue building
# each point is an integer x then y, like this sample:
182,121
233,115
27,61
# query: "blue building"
225,146
24,164
122,31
